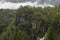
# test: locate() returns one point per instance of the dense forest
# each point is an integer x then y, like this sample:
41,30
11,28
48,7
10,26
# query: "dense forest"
30,23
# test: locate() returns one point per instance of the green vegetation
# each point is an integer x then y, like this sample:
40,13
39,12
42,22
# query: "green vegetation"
29,23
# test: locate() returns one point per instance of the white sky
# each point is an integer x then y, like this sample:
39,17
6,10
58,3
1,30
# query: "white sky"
10,5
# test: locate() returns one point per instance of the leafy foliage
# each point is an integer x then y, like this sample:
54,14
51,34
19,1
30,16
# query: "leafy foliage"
28,23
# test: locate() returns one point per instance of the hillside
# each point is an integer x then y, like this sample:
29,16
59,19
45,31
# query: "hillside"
30,23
